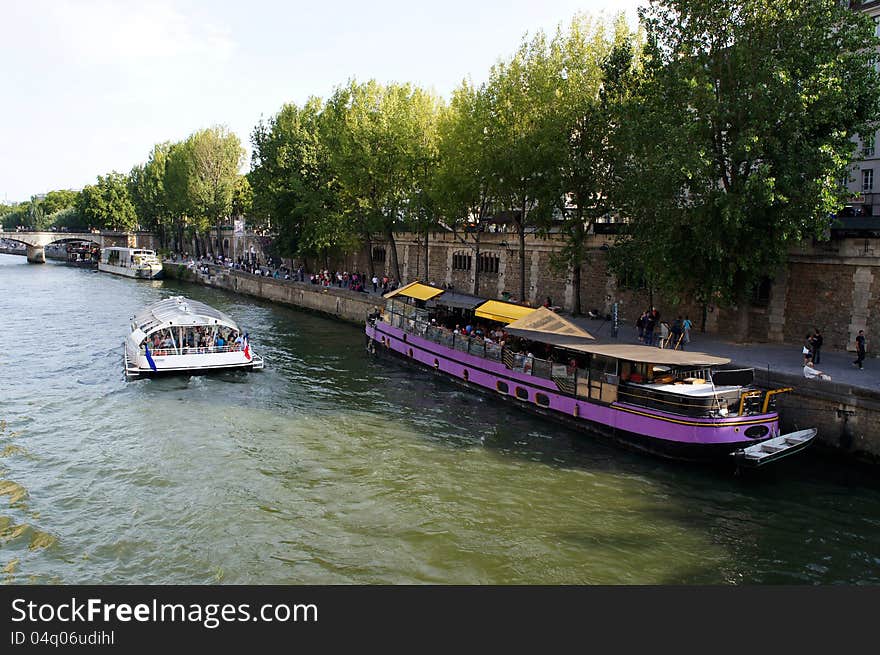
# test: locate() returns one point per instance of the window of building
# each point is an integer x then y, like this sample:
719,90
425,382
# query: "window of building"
461,262
379,255
868,146
868,179
488,263
761,291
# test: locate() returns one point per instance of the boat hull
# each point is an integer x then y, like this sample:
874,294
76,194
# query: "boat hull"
660,433
193,364
141,272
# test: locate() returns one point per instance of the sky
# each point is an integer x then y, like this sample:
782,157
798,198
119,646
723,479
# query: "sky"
91,85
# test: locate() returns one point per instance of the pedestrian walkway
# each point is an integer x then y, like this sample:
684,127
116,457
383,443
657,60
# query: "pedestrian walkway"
780,358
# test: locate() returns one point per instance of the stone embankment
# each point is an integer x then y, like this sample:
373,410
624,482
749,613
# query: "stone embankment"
847,416
339,303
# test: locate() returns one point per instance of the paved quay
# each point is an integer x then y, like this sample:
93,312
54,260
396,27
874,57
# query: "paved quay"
778,358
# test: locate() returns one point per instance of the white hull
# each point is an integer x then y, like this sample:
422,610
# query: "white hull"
191,363
143,272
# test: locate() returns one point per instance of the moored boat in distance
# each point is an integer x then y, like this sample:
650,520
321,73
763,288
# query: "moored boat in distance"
179,335
131,262
677,404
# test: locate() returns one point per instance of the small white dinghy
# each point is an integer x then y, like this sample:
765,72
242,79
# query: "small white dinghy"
775,449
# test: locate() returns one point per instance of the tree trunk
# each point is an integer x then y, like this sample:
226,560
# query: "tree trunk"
521,229
427,234
477,263
392,246
370,265
576,282
220,239
742,317
704,317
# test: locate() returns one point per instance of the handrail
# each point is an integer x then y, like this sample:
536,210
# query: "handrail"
773,392
164,352
742,400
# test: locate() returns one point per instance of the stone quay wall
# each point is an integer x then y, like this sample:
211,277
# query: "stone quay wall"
832,285
848,418
343,304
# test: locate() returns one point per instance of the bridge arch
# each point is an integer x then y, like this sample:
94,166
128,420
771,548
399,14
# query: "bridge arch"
36,241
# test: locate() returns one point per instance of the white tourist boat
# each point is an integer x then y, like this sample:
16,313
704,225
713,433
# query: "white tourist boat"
130,262
179,335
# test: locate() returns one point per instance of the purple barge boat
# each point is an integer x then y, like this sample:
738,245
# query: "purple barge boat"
676,404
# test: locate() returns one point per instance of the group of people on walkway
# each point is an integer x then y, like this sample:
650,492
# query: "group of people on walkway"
653,331
812,352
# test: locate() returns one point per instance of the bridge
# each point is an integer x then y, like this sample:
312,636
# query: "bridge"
37,241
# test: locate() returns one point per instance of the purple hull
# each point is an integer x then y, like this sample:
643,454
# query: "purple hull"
651,429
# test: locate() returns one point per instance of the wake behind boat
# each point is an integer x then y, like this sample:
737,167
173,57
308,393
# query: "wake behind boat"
179,335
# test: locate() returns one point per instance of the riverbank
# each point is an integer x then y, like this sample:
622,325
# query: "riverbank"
343,304
846,411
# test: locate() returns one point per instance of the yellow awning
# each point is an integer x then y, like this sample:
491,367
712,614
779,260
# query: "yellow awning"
415,290
503,312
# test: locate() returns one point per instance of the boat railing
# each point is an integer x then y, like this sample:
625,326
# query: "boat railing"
572,381
164,352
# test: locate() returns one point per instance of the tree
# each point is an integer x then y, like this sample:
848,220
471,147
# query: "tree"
738,135
292,182
465,183
175,183
215,158
147,189
107,204
522,93
376,141
55,201
595,71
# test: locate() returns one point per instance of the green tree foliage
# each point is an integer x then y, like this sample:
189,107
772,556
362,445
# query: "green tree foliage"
147,188
379,139
465,185
16,215
55,201
175,183
242,197
522,95
68,219
594,67
215,158
40,212
107,204
293,187
737,136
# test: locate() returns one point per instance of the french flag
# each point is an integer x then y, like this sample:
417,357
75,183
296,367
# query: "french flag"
247,347
149,358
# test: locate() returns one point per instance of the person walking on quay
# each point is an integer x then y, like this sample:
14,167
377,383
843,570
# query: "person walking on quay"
816,342
686,326
860,350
